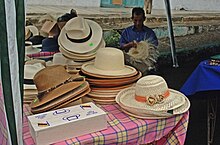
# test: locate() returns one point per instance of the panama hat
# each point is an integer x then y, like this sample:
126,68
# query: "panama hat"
29,71
109,62
30,49
53,82
151,94
82,57
30,31
80,35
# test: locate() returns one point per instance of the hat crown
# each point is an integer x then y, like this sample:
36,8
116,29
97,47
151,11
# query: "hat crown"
50,77
151,85
77,28
109,59
31,69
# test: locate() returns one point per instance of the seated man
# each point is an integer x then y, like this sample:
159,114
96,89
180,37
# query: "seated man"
136,33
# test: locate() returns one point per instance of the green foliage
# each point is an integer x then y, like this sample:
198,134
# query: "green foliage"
111,38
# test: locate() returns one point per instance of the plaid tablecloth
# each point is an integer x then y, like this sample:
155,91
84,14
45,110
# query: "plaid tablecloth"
124,129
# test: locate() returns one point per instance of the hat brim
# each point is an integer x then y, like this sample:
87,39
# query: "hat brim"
174,100
143,114
33,30
61,100
31,50
84,47
30,87
126,71
65,88
88,54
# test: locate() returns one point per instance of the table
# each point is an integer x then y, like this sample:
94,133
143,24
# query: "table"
205,77
124,129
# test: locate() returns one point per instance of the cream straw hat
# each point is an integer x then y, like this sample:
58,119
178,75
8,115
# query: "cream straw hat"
109,62
151,93
80,35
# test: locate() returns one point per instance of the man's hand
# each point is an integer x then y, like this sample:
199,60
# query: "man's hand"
130,45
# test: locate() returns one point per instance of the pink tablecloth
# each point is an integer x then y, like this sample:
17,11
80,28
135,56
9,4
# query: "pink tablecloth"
124,129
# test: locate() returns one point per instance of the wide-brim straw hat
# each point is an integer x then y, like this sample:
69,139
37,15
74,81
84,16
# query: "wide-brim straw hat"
151,93
109,62
149,114
84,56
30,49
30,31
80,35
31,69
75,94
29,72
141,51
53,82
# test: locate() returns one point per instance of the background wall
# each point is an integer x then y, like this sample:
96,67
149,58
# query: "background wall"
80,3
206,5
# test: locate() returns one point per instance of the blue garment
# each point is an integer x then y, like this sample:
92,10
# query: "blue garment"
205,77
50,44
130,34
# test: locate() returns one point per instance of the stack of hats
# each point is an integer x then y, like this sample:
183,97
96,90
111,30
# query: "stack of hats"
80,38
71,66
57,89
152,99
108,75
30,90
30,48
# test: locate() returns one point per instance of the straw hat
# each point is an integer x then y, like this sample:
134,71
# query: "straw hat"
30,49
80,35
109,62
30,30
151,94
141,51
54,81
29,71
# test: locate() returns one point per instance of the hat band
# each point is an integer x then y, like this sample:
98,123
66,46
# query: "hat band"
42,93
28,82
81,40
151,100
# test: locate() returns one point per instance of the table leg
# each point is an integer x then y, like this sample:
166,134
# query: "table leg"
211,118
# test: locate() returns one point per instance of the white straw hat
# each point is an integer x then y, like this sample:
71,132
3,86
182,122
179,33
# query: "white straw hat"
30,49
151,93
109,62
29,71
149,114
80,35
141,51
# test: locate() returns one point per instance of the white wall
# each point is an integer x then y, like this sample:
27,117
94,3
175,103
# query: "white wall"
207,5
84,3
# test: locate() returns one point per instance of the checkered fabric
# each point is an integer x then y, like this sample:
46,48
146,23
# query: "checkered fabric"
3,126
124,129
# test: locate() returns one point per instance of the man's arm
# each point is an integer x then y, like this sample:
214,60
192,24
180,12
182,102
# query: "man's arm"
124,43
